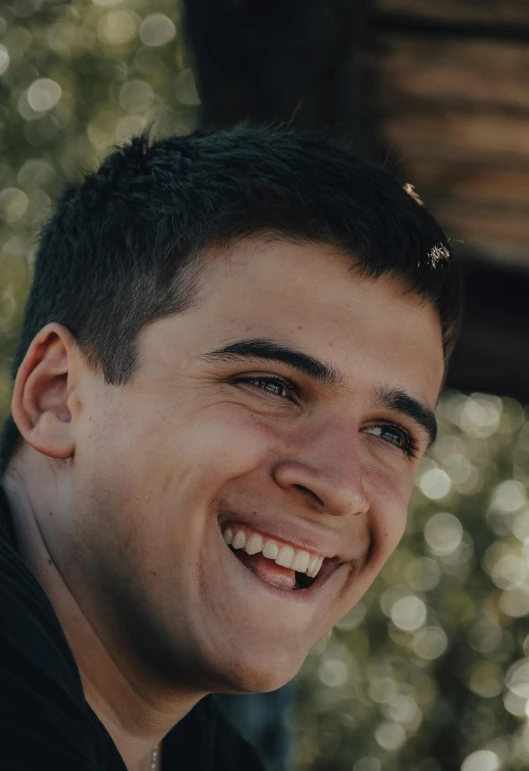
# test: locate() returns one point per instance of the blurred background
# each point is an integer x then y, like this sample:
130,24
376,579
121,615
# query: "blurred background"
431,670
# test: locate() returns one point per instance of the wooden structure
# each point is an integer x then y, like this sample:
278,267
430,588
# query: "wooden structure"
451,104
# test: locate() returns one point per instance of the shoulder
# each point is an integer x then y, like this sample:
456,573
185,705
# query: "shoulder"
44,720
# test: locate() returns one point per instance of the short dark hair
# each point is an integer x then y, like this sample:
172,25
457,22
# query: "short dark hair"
121,249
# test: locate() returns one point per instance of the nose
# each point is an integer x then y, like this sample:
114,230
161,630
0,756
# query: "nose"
328,481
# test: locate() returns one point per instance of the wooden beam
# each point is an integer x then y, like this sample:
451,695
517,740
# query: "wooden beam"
495,15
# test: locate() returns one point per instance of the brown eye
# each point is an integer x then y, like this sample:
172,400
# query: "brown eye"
393,435
271,385
396,436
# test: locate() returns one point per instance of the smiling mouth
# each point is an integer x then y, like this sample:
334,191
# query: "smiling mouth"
275,562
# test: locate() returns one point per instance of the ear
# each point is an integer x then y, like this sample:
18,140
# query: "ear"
44,382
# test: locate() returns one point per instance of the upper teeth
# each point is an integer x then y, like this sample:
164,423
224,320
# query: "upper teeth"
296,559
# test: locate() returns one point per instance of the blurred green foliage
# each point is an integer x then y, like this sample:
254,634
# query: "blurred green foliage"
76,78
431,670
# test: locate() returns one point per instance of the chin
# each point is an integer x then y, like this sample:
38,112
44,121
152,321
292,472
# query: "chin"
266,671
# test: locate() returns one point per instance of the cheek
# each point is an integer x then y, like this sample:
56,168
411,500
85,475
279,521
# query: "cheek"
228,440
194,454
389,495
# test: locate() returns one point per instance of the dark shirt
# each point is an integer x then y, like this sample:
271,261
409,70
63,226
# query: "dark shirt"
45,721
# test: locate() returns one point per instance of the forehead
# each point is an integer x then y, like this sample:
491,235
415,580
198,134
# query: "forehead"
309,295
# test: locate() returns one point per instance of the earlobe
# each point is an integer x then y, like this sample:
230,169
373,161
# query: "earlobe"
41,393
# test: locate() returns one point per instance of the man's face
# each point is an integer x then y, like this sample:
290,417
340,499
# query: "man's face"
229,426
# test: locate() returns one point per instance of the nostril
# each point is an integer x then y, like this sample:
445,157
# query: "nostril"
310,494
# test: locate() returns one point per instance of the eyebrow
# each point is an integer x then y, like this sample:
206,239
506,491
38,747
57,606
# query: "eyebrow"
397,400
258,348
269,350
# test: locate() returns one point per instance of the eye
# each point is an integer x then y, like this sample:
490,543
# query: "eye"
395,435
274,386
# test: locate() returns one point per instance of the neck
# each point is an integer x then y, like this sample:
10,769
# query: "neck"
135,708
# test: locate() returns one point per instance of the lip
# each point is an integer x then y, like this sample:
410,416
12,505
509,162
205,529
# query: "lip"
285,534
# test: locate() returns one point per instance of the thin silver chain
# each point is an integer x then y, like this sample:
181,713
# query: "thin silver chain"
154,756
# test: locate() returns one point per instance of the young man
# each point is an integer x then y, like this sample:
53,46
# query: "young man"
231,353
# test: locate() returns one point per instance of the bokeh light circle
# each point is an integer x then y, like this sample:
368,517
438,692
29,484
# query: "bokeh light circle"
482,760
4,59
443,533
156,30
43,94
409,613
